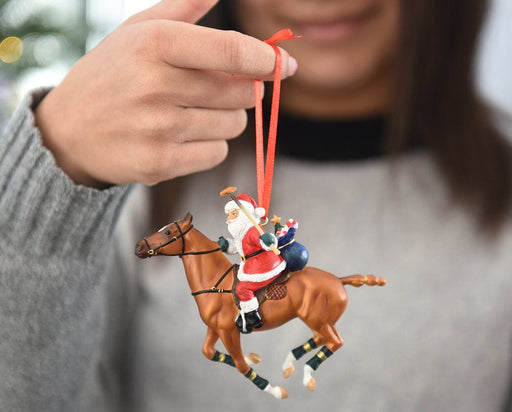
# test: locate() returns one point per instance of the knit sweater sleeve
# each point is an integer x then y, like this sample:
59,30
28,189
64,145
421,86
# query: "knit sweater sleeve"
55,238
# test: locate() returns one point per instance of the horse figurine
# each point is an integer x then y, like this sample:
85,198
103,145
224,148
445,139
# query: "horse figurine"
317,297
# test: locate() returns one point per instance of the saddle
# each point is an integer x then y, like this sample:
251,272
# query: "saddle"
274,291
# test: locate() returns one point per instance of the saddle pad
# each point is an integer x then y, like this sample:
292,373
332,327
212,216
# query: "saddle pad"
275,291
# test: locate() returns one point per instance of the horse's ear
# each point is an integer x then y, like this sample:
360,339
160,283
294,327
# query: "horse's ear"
188,218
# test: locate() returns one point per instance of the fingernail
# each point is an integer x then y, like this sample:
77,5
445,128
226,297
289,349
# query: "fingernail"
292,66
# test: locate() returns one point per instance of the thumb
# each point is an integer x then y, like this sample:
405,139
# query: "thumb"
188,11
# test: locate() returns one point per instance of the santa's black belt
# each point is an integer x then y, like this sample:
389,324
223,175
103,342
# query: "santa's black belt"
250,255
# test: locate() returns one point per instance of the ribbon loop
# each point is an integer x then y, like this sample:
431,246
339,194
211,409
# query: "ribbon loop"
265,167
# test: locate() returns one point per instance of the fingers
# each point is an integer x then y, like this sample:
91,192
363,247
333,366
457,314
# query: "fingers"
193,157
180,10
164,127
173,95
197,142
207,89
183,44
211,124
196,47
173,160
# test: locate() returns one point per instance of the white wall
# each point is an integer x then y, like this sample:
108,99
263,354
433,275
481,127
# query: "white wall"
494,73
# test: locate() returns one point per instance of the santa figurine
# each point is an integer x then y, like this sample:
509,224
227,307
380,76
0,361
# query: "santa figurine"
259,265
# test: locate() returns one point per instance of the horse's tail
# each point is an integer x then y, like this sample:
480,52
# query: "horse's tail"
360,280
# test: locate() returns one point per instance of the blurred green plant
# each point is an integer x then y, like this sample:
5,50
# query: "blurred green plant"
50,32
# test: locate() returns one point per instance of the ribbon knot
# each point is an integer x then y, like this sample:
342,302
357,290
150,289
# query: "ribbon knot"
281,35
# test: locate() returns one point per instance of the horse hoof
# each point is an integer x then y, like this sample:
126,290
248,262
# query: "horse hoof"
253,358
311,384
288,367
284,394
276,391
308,380
288,372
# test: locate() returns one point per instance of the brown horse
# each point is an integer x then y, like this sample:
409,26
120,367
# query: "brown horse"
317,297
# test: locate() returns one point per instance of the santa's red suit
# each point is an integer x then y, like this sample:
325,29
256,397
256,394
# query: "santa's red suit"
259,264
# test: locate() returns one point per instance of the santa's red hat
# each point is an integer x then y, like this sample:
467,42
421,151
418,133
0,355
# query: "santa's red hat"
248,203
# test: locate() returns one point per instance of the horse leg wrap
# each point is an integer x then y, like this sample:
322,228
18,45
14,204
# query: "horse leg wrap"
223,358
321,356
256,379
300,351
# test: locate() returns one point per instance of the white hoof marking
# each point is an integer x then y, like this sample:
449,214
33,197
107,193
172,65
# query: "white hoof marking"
276,391
288,367
252,359
308,371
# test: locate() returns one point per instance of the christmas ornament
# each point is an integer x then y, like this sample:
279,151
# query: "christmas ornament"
211,277
272,284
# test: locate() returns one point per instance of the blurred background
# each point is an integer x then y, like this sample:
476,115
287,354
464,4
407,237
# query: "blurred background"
41,39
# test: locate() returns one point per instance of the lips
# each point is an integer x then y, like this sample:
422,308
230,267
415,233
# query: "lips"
328,31
334,29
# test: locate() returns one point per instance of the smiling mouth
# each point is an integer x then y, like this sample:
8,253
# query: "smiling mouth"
335,30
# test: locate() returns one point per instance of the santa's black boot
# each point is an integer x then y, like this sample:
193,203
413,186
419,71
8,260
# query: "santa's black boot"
240,320
252,321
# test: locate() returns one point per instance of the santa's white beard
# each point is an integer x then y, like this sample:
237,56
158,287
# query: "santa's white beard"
239,226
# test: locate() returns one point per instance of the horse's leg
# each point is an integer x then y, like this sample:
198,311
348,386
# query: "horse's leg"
299,352
334,342
231,340
212,354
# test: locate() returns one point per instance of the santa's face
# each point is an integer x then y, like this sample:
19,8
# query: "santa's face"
232,214
238,223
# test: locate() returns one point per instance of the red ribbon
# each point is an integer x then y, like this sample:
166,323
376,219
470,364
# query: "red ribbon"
265,169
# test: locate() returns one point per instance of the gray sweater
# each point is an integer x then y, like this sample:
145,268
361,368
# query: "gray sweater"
86,326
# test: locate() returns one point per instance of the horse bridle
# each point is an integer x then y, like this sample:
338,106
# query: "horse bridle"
153,251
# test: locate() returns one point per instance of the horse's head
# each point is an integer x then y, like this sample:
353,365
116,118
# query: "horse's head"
168,241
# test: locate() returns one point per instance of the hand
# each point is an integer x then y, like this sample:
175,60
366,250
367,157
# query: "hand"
268,239
223,244
156,99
